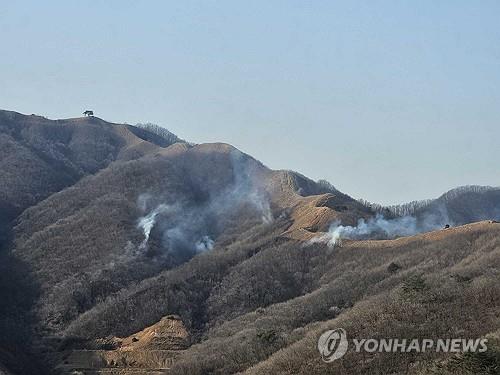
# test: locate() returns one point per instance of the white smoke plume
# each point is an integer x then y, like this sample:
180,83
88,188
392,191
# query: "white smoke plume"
146,223
376,228
205,243
262,205
186,225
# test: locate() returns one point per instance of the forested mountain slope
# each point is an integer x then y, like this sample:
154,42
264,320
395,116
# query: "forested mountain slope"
114,233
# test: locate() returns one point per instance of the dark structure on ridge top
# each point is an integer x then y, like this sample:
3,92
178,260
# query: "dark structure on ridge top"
88,113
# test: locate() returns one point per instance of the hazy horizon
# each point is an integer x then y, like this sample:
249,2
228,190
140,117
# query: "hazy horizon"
390,102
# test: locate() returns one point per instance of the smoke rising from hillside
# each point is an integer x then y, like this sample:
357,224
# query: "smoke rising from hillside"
190,224
146,223
379,227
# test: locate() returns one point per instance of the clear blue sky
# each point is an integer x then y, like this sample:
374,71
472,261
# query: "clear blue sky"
389,100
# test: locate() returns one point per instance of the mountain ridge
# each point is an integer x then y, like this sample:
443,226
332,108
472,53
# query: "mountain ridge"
124,230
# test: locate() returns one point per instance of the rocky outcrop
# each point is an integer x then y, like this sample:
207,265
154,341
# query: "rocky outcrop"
150,351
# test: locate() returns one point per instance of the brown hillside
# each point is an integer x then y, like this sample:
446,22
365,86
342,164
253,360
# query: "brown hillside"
39,156
356,290
132,255
87,233
150,351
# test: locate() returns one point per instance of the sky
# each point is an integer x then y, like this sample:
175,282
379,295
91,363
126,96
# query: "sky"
390,101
